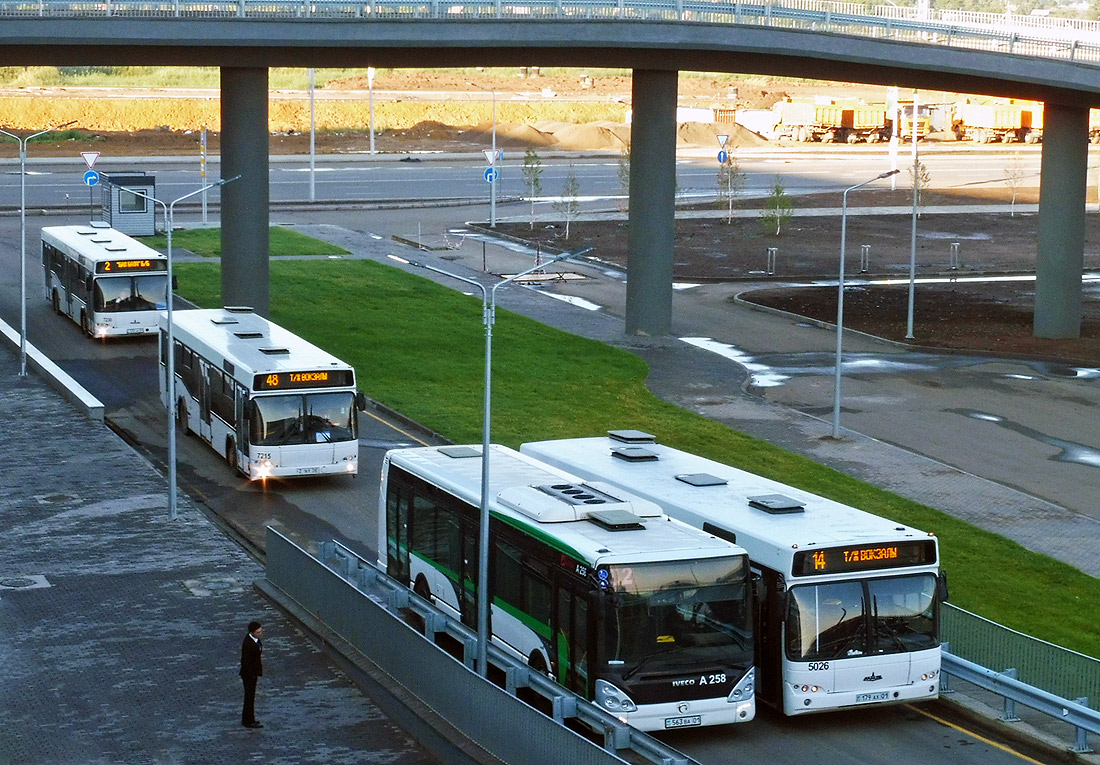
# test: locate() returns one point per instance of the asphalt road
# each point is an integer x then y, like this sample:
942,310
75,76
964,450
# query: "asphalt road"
54,181
123,375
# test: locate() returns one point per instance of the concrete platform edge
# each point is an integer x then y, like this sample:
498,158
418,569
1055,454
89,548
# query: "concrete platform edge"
70,389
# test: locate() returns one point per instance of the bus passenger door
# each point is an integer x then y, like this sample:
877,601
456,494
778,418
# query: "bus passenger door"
210,380
572,634
769,602
467,585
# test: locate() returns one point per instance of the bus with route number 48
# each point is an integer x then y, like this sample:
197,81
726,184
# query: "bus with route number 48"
275,405
847,603
644,616
105,281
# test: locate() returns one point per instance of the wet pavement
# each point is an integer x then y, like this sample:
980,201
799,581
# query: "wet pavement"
120,630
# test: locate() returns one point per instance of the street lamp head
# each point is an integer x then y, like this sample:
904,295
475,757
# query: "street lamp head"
223,181
406,261
888,173
576,253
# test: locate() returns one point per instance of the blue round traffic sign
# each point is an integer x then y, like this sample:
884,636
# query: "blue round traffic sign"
723,156
490,174
91,178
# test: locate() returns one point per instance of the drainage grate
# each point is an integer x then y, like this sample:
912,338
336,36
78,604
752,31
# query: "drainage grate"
33,582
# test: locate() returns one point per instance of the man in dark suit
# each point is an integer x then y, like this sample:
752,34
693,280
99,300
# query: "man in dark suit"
252,667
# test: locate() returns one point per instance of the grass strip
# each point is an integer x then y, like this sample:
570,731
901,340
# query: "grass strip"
419,347
207,242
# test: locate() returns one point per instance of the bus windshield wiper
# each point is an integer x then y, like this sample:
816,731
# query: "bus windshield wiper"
645,660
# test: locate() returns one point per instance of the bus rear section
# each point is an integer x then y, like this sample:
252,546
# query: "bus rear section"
645,617
273,404
107,282
847,603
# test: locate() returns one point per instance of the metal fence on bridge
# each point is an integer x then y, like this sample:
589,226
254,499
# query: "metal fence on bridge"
1056,38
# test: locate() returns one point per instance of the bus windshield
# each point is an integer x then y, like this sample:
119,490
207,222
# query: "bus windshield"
668,617
305,418
861,617
131,293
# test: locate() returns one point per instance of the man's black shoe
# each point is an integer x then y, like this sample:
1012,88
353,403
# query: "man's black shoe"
253,724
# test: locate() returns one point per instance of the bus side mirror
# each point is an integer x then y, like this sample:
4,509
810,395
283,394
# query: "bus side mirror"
175,282
361,401
941,587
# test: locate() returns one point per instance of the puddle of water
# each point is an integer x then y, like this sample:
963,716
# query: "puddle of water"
1071,451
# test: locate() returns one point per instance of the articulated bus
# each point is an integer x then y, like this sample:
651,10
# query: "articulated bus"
275,405
642,615
103,280
847,603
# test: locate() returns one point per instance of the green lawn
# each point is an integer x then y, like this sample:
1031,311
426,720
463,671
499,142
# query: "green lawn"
418,347
207,242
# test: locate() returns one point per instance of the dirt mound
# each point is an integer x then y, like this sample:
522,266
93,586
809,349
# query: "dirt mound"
593,136
430,129
705,134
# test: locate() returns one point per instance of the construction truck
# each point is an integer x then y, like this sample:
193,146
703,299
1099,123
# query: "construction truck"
831,121
1004,121
905,122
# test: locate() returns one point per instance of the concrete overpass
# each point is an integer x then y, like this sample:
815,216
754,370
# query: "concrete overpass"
656,50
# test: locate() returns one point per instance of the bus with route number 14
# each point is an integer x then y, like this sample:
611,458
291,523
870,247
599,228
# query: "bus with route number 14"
273,404
644,616
847,603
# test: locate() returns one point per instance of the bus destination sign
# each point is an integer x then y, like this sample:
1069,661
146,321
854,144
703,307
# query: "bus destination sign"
127,266
839,560
318,378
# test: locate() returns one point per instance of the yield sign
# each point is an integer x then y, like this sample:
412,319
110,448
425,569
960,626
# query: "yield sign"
89,157
721,141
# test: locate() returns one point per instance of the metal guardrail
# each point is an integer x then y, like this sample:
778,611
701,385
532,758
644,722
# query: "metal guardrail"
1039,675
367,608
1006,33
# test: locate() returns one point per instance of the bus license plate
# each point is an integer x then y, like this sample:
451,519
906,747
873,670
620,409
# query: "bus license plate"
308,471
683,722
865,697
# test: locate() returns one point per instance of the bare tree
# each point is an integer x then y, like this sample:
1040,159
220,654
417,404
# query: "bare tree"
532,178
569,204
921,178
1014,176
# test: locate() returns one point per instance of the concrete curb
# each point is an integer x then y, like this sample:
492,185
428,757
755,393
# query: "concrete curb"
59,379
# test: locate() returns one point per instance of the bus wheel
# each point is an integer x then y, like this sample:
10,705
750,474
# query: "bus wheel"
422,589
537,663
231,454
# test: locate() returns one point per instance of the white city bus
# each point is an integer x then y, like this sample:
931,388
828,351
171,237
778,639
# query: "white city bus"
103,280
273,404
847,603
646,617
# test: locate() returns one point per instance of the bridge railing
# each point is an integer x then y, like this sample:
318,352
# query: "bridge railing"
1052,680
1067,39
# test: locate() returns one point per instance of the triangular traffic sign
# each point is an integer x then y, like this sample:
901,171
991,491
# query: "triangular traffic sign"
722,140
89,157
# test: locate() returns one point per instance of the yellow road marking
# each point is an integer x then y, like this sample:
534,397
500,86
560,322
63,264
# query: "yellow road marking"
389,424
972,734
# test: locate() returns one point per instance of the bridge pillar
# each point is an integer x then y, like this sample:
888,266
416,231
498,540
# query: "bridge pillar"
244,202
652,217
1061,230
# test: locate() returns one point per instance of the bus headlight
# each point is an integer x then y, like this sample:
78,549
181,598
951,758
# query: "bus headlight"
612,699
744,688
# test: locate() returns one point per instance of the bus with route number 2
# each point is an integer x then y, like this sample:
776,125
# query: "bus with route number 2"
644,616
847,603
105,281
275,405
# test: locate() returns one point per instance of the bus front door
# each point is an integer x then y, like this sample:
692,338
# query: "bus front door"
572,634
212,379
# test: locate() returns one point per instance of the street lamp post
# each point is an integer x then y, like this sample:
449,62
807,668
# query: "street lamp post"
170,383
488,317
840,298
493,161
23,238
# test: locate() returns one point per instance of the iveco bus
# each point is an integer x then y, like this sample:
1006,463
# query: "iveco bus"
644,616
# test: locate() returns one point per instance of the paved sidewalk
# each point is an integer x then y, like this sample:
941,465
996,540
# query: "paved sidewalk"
120,630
